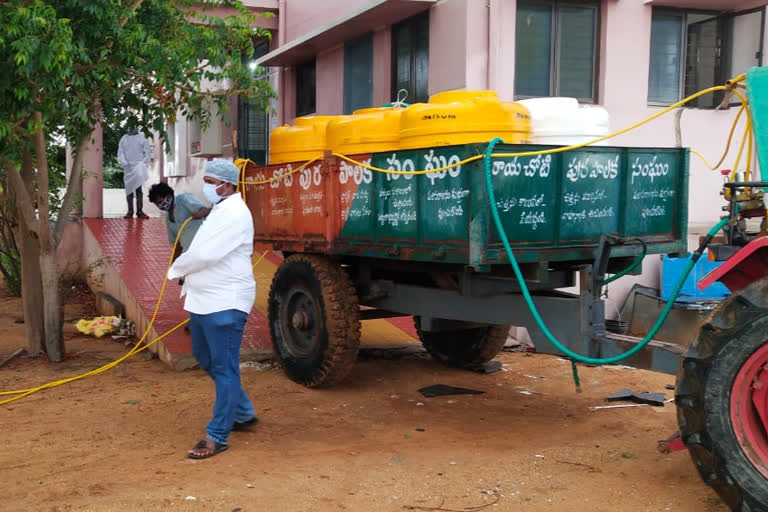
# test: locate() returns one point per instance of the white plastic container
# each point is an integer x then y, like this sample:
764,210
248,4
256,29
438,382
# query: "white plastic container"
563,122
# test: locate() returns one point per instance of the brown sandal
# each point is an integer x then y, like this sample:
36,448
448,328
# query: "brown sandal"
245,425
203,450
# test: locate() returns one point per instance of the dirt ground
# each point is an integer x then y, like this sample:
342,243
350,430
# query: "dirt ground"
118,441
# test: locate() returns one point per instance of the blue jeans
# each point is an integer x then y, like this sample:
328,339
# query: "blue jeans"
216,342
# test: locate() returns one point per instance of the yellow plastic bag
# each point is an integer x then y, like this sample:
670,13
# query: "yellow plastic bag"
99,326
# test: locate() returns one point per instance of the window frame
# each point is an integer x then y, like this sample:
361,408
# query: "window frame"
245,110
725,46
300,107
170,153
366,39
410,23
554,38
728,37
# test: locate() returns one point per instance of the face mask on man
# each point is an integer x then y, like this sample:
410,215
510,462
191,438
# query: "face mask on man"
165,205
210,192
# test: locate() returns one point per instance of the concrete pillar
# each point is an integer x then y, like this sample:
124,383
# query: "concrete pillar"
93,180
382,66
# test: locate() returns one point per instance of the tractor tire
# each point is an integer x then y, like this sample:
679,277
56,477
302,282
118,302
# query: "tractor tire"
314,320
722,409
464,348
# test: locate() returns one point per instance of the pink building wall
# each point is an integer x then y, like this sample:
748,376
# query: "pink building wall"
624,91
303,16
329,66
382,66
448,48
472,46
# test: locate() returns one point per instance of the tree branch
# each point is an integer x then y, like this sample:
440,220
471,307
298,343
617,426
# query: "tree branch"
135,4
199,68
74,186
23,199
43,200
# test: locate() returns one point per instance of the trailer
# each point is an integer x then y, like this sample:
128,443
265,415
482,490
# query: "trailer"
361,245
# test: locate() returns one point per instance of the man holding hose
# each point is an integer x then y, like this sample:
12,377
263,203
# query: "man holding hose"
220,290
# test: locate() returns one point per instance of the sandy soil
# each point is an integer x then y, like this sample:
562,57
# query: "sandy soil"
118,441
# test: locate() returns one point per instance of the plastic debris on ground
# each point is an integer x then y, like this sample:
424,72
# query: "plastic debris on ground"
443,390
101,326
620,406
628,395
258,366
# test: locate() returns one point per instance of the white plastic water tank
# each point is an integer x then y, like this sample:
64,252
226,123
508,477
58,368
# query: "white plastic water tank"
563,122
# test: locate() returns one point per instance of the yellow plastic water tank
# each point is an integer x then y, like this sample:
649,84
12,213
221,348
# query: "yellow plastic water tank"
303,141
368,130
463,117
460,96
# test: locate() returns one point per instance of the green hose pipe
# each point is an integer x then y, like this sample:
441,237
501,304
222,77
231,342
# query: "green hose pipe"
638,260
527,293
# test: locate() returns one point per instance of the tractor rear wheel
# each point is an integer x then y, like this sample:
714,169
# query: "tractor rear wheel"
722,399
314,320
464,348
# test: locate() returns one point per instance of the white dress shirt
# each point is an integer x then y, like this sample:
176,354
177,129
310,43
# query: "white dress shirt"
217,266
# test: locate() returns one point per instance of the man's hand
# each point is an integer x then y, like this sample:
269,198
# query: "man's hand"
177,252
201,213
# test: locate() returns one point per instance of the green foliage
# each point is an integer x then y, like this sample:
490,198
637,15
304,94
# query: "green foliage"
10,268
139,62
113,176
73,63
10,262
57,174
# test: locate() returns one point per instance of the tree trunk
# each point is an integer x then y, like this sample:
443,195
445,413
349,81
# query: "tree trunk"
52,318
29,252
54,339
31,291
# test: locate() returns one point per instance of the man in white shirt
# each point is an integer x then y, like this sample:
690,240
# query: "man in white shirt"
220,290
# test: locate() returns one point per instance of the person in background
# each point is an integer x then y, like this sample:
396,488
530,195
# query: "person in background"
220,291
134,155
178,209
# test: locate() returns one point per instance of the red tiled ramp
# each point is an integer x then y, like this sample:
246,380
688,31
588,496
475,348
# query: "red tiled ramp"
137,255
138,251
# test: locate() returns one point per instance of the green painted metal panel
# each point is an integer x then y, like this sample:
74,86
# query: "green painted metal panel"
359,220
526,197
757,94
652,192
590,194
554,207
442,197
445,197
396,201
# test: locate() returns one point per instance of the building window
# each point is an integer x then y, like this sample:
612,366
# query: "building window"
305,89
252,129
747,33
410,58
556,48
686,56
174,166
358,74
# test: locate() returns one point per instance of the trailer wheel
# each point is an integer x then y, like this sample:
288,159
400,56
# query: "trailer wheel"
722,399
314,320
465,348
